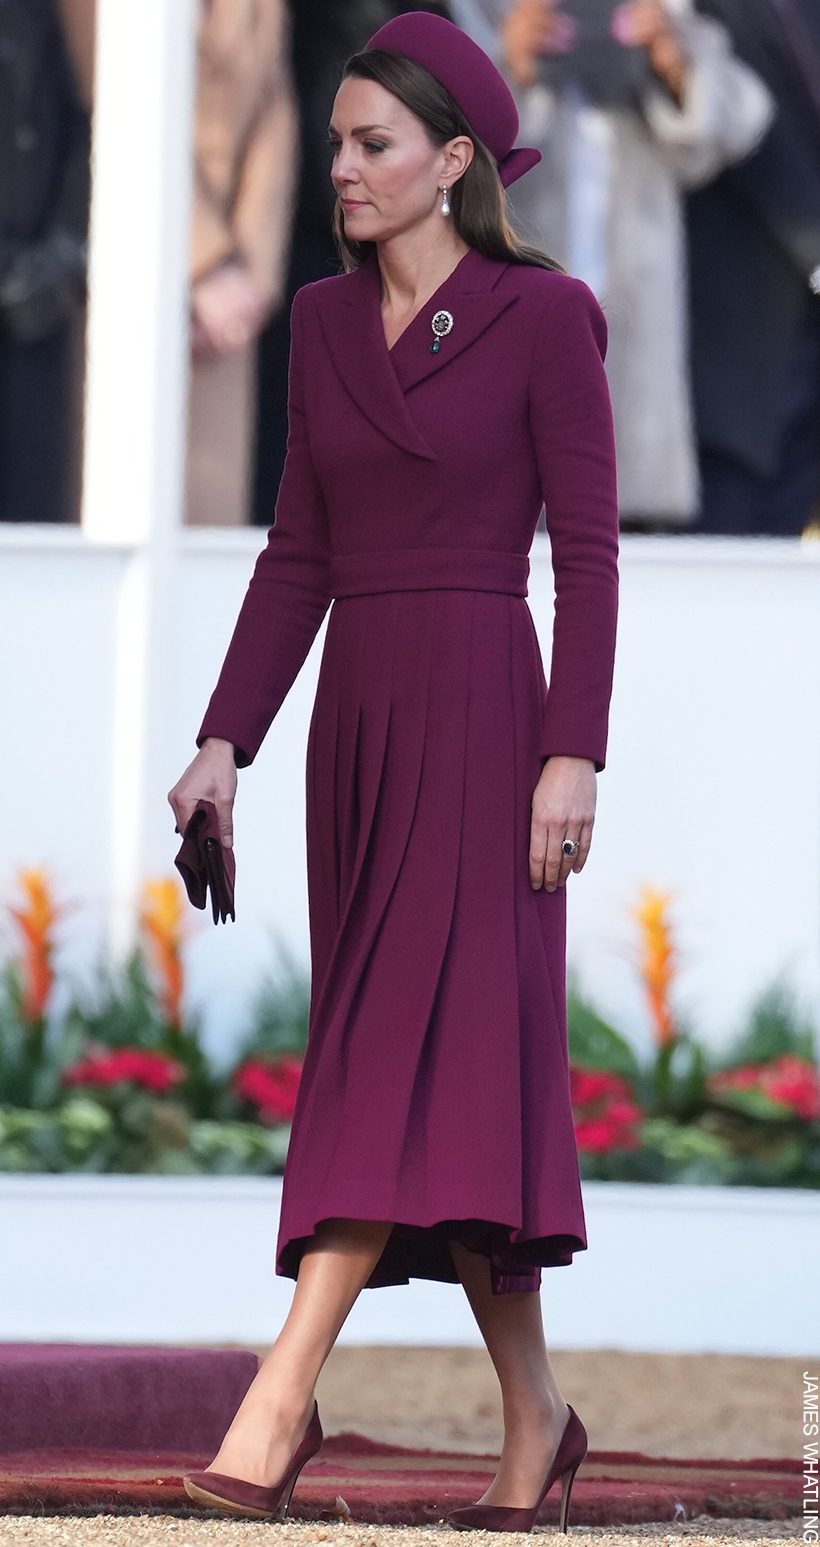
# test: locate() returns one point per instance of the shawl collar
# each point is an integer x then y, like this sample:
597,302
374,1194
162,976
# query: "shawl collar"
350,317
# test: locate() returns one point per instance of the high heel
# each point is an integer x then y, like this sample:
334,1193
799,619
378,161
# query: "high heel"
233,1493
572,1448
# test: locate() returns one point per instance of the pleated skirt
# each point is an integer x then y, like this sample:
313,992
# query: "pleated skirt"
435,1089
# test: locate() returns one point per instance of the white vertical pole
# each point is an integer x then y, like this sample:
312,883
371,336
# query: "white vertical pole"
136,378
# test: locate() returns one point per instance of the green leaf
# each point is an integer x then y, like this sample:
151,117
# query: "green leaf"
84,1127
240,1149
120,1009
682,1143
593,1043
777,1024
754,1103
280,1011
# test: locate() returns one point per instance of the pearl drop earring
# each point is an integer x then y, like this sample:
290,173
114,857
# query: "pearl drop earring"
445,207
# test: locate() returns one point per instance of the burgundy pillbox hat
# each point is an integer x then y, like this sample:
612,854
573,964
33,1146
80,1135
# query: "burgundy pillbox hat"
471,78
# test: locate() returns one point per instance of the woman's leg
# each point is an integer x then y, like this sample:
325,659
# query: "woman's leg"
535,1413
277,1407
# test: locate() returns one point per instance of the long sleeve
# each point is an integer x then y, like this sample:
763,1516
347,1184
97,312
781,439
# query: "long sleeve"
246,142
263,213
571,422
727,108
287,596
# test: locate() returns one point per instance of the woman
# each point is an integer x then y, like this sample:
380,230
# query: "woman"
442,388
45,56
607,199
246,151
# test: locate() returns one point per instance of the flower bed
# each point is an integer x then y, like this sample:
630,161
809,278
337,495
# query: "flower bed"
119,1081
749,1118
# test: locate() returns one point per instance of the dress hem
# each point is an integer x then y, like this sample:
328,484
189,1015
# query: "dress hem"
422,1251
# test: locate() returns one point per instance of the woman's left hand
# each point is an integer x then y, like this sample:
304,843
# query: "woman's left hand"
563,806
648,24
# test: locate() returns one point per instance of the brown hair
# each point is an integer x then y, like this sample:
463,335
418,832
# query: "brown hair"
478,200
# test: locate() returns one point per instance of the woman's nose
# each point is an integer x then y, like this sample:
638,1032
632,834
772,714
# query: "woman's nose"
343,169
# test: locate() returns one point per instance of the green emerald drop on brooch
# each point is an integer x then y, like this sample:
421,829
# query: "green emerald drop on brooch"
441,324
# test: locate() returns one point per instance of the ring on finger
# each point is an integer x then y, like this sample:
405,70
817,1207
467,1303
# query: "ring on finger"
570,847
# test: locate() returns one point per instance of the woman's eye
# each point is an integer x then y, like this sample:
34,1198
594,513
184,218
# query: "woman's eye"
372,145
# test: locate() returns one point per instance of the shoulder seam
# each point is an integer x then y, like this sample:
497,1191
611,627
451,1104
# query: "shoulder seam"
583,293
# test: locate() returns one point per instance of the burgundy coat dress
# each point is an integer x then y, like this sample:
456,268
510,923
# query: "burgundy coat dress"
435,1090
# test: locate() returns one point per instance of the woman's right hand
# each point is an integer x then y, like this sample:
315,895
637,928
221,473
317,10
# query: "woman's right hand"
533,28
211,776
651,25
228,310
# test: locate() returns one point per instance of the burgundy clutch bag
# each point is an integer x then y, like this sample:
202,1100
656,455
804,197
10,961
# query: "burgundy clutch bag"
203,861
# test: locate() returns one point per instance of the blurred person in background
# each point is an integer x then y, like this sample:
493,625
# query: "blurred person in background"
324,34
658,102
46,53
246,146
754,270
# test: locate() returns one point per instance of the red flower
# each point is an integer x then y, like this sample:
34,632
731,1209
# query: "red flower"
270,1084
153,1071
747,1077
606,1113
589,1085
599,1135
796,1082
793,1082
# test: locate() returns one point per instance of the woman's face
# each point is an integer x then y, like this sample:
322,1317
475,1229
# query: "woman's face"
385,169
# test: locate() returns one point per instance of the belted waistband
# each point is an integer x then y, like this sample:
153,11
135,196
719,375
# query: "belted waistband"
429,569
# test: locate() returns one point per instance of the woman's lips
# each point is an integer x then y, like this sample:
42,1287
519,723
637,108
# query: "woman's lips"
353,203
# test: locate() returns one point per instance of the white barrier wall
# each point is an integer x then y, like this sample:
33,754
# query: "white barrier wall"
193,1259
712,786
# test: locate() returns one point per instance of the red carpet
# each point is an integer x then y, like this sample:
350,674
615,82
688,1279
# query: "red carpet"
385,1484
91,1429
103,1397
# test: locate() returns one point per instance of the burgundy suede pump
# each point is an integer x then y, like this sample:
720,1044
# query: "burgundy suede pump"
495,1517
221,1492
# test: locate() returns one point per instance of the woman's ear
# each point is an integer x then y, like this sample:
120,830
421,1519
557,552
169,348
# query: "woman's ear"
460,153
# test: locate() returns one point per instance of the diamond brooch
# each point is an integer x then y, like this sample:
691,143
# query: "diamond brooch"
441,324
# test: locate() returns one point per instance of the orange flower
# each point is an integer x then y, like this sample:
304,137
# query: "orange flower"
162,918
36,920
657,960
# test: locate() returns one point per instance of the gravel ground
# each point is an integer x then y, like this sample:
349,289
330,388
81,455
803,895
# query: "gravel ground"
166,1531
707,1405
